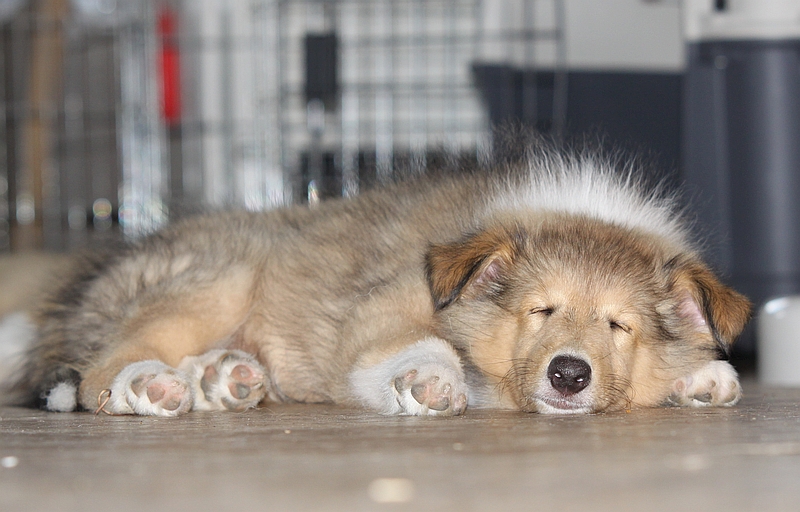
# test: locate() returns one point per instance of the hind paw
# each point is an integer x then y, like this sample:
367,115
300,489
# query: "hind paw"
715,384
225,380
149,388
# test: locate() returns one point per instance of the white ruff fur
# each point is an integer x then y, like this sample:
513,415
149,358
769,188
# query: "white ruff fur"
588,186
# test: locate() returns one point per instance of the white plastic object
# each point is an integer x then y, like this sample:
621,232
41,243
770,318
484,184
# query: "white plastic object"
778,337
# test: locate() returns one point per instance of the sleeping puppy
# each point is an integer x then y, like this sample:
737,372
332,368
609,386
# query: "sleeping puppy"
554,285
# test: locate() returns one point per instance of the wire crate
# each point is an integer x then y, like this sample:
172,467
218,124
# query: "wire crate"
130,112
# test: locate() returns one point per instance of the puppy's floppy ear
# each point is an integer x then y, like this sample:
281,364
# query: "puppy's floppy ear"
477,260
707,305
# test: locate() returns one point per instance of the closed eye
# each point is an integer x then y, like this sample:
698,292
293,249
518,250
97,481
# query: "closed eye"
542,311
619,326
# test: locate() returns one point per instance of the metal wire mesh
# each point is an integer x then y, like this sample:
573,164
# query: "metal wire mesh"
116,142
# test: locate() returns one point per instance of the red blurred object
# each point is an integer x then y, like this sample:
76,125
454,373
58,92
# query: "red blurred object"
170,67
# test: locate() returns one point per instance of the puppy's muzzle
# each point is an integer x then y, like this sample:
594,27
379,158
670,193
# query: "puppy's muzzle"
569,375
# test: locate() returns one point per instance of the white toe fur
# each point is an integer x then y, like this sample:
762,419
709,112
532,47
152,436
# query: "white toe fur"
129,390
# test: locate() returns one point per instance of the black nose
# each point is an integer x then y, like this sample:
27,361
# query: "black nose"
569,375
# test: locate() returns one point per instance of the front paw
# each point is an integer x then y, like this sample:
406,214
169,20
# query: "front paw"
149,388
431,390
715,384
424,378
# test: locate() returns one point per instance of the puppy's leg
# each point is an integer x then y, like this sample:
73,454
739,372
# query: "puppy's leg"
140,369
425,378
225,380
714,384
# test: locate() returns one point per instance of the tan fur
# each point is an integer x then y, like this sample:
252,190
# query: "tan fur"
319,295
193,323
590,274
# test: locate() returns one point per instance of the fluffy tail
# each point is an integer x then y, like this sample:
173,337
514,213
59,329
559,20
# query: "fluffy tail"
24,280
17,334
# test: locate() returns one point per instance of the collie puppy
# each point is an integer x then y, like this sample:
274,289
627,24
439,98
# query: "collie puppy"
554,285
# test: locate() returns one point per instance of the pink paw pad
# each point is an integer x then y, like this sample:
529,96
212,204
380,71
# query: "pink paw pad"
162,390
243,378
432,392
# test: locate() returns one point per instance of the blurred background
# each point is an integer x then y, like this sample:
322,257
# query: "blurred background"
117,115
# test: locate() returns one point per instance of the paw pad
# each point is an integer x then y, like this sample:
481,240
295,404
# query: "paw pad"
162,390
149,388
432,392
714,384
227,379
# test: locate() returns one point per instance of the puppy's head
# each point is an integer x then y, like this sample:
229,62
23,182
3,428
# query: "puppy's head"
571,315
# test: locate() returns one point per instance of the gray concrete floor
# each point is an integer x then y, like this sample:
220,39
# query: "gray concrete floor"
300,457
